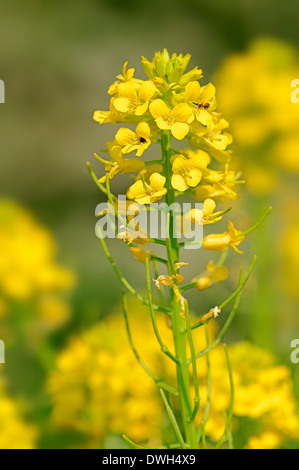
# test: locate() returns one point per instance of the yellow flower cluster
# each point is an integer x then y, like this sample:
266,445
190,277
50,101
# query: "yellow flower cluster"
254,92
263,392
28,271
99,388
15,433
171,100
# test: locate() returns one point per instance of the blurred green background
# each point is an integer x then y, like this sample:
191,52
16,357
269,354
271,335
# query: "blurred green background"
58,59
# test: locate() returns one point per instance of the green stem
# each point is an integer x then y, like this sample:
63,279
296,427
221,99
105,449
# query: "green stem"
173,420
163,346
229,417
157,380
194,366
183,378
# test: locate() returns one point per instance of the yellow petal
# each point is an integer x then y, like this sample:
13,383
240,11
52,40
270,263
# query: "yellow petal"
179,130
157,181
192,91
124,136
122,105
146,91
182,113
143,130
158,195
162,124
203,116
179,163
158,108
101,116
137,189
221,274
142,148
193,177
127,90
140,110
178,183
209,205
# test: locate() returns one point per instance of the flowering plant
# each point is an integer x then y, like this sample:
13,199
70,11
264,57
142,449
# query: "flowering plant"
171,106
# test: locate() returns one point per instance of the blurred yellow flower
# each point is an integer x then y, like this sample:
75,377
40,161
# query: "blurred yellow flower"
212,274
27,251
263,119
15,433
99,388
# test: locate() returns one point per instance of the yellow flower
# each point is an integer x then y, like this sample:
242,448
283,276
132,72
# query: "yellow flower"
212,275
147,193
133,233
265,440
134,98
141,254
131,141
220,241
111,116
27,256
214,135
216,184
98,387
176,120
202,100
201,216
15,433
172,281
186,172
124,165
204,157
126,77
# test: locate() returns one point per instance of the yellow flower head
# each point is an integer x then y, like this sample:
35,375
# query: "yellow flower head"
220,241
126,77
134,98
176,120
118,164
186,172
131,141
202,216
201,100
145,193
